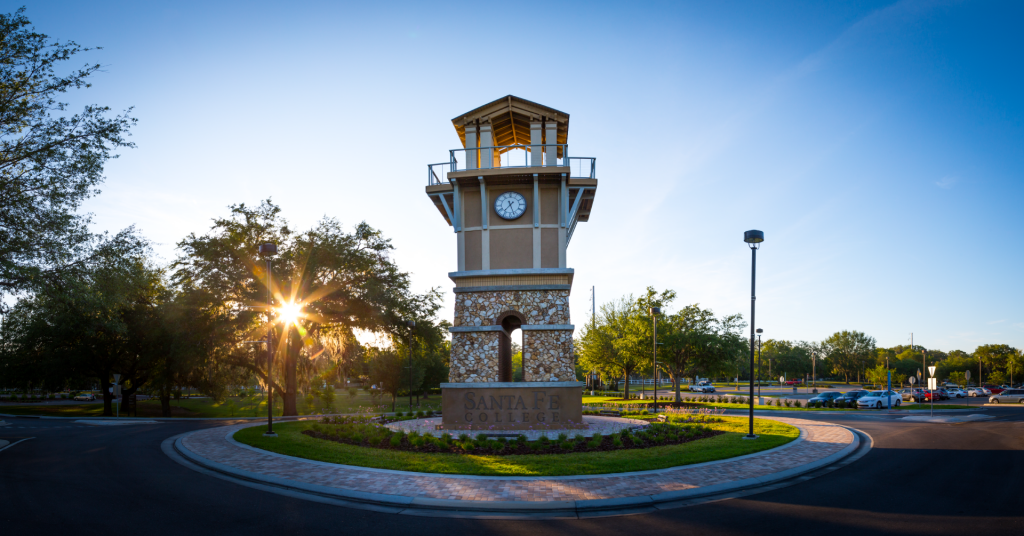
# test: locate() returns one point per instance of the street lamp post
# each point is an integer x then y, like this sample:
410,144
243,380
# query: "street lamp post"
411,324
268,251
753,239
759,332
655,311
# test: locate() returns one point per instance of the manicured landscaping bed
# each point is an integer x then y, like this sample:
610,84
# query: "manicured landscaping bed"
727,444
361,431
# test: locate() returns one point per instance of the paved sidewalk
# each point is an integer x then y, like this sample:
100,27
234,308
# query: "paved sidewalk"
819,444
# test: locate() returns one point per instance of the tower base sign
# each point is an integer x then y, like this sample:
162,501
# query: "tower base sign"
512,406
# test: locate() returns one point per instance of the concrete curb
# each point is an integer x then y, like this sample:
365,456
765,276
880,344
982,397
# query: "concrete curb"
498,509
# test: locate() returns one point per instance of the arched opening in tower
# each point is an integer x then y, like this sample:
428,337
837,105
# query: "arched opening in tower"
509,325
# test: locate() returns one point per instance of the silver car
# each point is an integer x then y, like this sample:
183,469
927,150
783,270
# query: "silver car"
956,392
1009,396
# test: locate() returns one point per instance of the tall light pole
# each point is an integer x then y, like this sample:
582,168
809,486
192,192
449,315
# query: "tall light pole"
759,332
814,363
753,239
411,324
655,311
268,251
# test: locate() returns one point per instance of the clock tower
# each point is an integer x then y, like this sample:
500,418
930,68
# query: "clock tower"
513,197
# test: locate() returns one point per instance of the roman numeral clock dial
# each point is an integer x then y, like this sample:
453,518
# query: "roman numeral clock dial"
510,205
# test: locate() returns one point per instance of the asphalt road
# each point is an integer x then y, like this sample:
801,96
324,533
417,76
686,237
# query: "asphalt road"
918,479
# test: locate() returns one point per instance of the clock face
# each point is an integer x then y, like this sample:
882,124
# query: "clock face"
510,205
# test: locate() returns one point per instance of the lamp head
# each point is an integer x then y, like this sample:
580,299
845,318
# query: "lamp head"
655,311
268,249
759,331
410,323
753,238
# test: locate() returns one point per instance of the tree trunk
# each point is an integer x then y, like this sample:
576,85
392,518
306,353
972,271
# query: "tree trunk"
125,393
165,404
626,395
290,385
675,381
108,397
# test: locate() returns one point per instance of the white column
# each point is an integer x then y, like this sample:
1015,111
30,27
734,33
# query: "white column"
536,140
461,236
536,222
486,140
485,235
551,138
470,154
562,234
563,203
483,203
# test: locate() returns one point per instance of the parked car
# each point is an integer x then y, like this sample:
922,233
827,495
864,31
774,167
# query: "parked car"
825,397
851,397
979,391
85,396
915,395
994,389
794,382
956,392
1008,396
702,387
879,400
942,393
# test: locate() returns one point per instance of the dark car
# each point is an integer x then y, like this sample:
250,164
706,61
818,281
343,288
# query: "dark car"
916,395
852,396
825,397
942,393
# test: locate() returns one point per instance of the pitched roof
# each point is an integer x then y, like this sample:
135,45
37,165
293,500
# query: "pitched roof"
510,118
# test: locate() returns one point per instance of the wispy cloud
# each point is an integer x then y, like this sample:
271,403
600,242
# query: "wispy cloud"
946,182
997,322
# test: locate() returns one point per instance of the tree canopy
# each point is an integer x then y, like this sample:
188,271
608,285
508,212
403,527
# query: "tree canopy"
50,162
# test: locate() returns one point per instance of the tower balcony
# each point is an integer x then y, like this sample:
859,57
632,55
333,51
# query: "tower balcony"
543,159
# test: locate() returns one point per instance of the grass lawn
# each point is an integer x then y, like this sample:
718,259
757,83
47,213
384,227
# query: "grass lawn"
231,407
728,445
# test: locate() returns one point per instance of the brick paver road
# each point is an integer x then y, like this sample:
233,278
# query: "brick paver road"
818,440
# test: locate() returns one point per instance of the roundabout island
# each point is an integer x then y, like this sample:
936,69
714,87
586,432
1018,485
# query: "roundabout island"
578,482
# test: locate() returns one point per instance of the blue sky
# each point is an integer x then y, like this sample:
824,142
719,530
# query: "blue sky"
877,144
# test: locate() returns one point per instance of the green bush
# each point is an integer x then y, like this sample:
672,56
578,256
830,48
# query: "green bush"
566,445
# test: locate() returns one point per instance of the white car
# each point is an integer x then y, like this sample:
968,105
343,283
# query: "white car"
880,399
956,392
85,396
978,391
702,387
